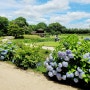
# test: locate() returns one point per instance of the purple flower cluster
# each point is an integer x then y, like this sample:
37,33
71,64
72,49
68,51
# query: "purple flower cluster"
79,73
67,55
56,69
60,68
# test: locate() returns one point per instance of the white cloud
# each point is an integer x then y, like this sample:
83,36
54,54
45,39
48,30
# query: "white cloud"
88,20
78,25
35,12
39,10
69,17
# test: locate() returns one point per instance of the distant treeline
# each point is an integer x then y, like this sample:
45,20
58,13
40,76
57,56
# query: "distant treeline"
20,26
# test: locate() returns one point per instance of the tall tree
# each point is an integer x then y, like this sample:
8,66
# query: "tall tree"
41,25
15,30
3,25
21,22
55,28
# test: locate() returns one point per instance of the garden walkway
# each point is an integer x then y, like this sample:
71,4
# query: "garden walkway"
12,78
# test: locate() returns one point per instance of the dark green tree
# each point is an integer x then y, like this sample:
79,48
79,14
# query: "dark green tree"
21,22
55,28
41,25
15,30
3,25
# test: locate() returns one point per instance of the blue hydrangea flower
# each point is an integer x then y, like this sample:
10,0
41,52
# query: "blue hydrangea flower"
79,69
51,58
81,75
76,73
58,75
55,64
2,57
71,56
68,52
58,69
86,55
54,72
9,42
65,64
61,54
76,80
60,65
52,64
68,75
4,52
49,68
50,74
64,77
71,75
66,58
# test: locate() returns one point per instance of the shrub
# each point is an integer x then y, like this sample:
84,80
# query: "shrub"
7,51
28,57
70,60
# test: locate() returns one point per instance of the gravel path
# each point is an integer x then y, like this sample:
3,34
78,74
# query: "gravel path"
12,78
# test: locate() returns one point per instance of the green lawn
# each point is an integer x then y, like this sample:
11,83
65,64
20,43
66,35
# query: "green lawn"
45,41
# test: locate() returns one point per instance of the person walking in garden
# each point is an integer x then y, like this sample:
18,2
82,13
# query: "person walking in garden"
56,38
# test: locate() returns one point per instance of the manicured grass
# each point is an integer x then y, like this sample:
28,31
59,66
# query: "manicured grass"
46,41
51,43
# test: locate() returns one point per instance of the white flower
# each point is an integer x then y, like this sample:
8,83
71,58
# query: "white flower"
64,77
75,80
50,74
65,64
58,75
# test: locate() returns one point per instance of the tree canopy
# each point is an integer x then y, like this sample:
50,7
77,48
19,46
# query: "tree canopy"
3,25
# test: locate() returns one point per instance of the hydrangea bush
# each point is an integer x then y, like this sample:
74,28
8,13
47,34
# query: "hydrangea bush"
7,51
70,60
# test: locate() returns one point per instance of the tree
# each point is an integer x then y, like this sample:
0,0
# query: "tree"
15,30
21,22
3,25
55,28
41,25
32,28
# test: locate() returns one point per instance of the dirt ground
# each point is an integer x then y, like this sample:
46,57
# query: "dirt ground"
12,78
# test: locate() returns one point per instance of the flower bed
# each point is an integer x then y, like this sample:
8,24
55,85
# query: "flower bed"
70,61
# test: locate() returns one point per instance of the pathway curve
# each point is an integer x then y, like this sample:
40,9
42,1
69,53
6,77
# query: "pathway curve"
12,78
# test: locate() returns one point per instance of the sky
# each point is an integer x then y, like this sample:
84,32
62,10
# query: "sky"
69,13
